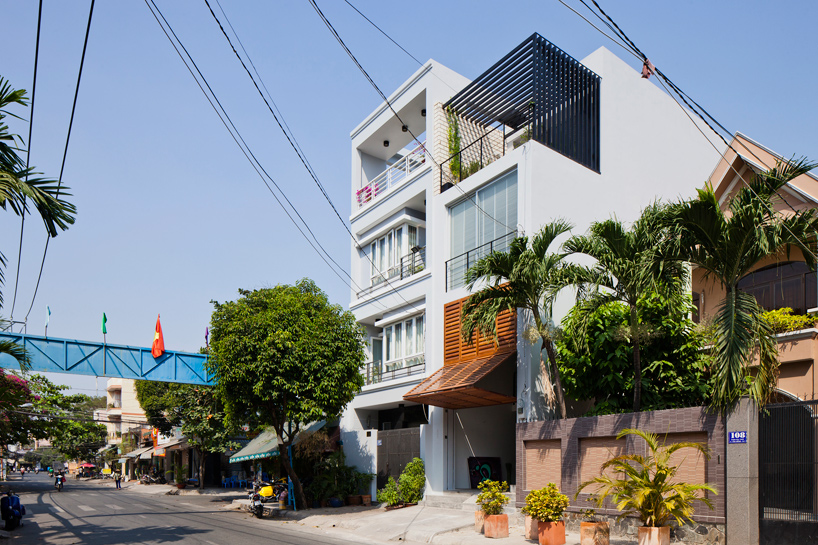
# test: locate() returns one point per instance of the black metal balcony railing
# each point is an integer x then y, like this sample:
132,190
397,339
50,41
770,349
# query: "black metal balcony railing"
408,265
480,153
457,266
540,89
376,372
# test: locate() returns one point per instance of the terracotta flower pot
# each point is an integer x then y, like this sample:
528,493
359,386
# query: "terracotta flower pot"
479,521
531,531
551,533
181,485
594,533
654,536
496,526
353,499
366,499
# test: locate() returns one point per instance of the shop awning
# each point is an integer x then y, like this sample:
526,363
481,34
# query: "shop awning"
465,385
175,444
138,452
266,444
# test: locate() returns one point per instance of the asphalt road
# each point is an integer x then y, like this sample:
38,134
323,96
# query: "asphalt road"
97,515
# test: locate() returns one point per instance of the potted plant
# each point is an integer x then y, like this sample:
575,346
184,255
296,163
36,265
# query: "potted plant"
547,506
645,487
364,481
179,473
491,499
593,531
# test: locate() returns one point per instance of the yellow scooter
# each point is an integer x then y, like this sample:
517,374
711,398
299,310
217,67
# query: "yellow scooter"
264,492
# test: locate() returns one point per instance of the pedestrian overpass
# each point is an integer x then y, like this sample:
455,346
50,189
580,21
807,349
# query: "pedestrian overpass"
54,355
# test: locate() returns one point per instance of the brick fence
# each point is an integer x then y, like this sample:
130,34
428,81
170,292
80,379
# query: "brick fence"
568,452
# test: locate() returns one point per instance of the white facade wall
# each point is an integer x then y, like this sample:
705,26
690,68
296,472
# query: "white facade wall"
649,150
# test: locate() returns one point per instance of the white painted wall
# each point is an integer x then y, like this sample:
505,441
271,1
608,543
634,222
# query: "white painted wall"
483,431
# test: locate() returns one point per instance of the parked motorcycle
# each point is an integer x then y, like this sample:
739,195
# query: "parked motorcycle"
11,510
264,492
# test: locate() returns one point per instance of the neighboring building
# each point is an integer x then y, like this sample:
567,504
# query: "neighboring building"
542,136
779,281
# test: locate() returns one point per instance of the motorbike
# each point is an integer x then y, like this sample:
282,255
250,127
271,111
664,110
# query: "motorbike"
58,484
149,479
12,511
264,492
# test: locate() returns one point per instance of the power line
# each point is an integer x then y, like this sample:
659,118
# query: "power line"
28,156
65,151
294,144
663,79
237,138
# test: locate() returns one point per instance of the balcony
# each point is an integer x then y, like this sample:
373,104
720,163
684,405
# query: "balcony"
392,177
408,265
376,372
457,266
536,92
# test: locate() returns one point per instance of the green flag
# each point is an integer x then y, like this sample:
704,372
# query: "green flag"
104,321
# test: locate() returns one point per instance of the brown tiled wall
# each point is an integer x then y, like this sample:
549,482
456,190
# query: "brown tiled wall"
542,462
584,443
595,451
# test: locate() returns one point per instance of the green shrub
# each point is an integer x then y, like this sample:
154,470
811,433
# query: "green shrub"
783,320
546,504
474,166
389,494
412,481
492,498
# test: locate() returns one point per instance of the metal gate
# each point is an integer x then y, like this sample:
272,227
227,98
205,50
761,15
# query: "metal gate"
788,467
396,448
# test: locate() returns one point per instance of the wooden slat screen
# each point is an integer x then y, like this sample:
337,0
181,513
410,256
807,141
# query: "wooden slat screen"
455,350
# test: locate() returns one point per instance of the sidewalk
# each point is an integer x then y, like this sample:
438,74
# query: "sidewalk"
136,486
417,524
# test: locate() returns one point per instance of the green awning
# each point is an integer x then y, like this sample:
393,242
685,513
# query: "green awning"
266,444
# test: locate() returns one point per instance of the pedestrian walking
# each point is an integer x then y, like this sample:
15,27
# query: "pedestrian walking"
118,479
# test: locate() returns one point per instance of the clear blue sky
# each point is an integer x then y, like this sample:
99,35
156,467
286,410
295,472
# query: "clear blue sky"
171,215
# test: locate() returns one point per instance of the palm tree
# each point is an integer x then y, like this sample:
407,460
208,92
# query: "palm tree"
630,263
727,245
19,186
526,277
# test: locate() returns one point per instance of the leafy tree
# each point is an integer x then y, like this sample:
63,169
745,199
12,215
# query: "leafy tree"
675,372
729,244
197,410
19,186
78,440
629,264
526,277
284,357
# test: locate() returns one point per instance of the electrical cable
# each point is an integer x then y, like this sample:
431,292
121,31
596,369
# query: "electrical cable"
65,151
237,137
662,78
28,156
305,162
389,104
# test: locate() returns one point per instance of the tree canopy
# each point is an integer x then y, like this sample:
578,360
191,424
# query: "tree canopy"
284,357
729,244
197,410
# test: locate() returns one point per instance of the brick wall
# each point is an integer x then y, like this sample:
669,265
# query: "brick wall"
586,443
542,463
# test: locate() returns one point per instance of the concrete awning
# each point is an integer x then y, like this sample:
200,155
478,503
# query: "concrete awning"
463,386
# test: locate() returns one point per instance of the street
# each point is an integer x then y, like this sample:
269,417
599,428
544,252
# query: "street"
88,513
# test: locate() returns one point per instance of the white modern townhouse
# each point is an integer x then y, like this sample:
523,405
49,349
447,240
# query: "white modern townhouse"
541,136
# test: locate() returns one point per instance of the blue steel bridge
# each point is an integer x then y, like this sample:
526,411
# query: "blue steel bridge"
55,355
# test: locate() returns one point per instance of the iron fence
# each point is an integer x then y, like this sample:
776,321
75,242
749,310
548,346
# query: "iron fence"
788,462
377,372
412,263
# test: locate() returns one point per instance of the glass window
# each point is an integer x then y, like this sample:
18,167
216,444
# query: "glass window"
410,336
489,214
388,349
399,341
782,285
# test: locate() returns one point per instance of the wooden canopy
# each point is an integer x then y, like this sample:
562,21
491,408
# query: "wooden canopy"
462,386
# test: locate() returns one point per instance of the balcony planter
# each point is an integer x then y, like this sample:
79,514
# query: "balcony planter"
651,535
594,533
551,533
479,521
496,526
531,528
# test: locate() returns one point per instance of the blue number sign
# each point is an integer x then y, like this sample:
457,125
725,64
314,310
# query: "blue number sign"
737,437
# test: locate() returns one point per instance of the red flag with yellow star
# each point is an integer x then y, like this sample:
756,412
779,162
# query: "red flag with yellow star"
158,347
